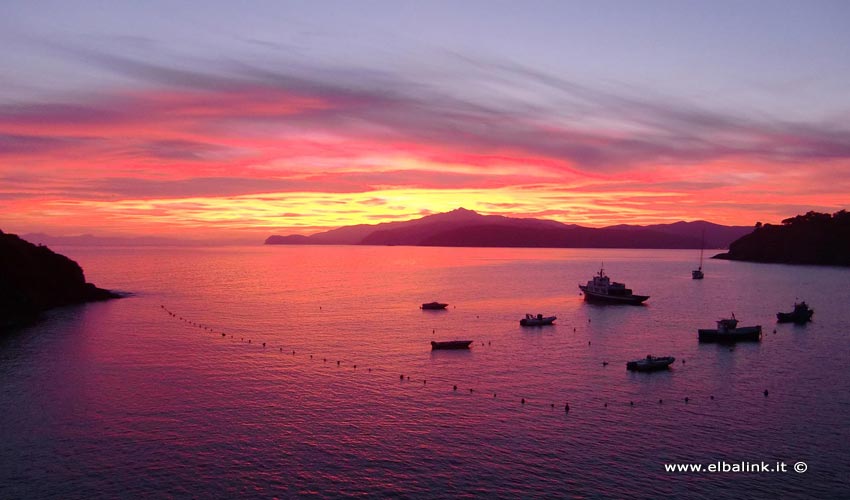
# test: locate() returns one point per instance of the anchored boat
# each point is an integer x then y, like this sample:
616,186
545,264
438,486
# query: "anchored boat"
728,331
539,320
451,344
602,289
800,315
650,364
697,274
434,305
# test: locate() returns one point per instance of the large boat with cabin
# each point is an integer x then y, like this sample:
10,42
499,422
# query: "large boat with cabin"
602,289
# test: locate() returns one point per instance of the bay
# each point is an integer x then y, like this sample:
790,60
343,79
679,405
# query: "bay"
346,398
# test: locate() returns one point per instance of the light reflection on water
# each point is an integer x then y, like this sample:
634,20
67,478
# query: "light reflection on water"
119,398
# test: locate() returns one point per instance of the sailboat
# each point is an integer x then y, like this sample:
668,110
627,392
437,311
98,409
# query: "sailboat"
697,274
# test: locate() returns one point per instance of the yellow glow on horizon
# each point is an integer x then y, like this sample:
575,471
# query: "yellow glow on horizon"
310,212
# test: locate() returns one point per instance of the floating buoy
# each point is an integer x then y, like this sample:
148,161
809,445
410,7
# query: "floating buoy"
488,342
249,341
604,363
660,401
567,407
293,353
264,344
588,342
606,405
765,393
454,388
311,356
631,403
337,363
470,391
424,382
683,361
523,400
223,334
552,405
370,370
281,349
687,399
401,377
712,397
355,367
494,394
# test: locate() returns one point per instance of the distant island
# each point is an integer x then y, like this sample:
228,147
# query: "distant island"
34,279
466,228
813,238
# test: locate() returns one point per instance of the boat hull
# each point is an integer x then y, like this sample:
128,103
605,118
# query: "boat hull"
537,322
434,306
451,344
797,318
650,366
743,334
633,300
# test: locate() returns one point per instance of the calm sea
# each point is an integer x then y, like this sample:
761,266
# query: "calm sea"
311,373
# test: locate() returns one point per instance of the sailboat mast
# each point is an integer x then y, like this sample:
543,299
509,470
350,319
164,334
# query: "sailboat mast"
701,248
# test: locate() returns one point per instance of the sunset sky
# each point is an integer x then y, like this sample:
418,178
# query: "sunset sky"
244,119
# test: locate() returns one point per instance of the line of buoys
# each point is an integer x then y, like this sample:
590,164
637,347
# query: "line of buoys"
472,390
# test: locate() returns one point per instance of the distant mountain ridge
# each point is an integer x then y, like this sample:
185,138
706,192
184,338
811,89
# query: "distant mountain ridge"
467,228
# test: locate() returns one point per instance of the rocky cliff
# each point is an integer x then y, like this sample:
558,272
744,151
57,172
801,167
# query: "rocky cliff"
34,278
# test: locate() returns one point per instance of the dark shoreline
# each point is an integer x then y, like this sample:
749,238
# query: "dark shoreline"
35,279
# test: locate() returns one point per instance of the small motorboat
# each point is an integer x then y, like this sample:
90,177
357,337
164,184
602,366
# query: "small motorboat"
539,320
802,314
451,344
650,363
728,331
434,305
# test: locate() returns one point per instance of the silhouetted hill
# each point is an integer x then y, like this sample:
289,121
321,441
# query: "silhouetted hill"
466,228
34,279
716,236
813,238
